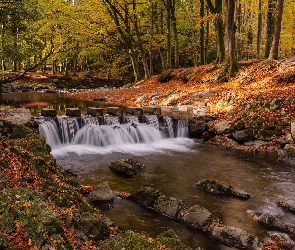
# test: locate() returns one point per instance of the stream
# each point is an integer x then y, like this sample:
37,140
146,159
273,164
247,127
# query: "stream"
174,166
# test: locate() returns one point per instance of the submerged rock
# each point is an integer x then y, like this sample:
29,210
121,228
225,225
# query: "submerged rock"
271,221
198,217
123,168
218,187
235,237
101,193
288,205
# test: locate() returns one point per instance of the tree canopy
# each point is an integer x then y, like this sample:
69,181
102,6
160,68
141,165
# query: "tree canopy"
137,38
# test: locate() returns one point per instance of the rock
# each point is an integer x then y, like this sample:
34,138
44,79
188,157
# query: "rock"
93,111
16,116
48,112
217,187
235,237
288,205
271,221
73,112
287,155
114,111
289,139
169,206
200,112
101,193
241,136
197,128
224,127
208,135
122,167
198,217
146,196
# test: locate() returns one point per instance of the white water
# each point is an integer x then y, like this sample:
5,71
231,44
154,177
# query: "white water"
66,134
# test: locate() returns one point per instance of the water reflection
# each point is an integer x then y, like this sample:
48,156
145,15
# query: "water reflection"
36,101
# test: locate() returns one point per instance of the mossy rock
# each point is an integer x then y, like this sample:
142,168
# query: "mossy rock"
217,187
123,168
23,206
146,196
20,131
91,227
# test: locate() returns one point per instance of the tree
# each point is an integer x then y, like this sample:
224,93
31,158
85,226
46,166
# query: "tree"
231,63
219,26
274,52
270,26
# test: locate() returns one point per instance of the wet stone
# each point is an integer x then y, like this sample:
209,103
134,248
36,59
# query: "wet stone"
153,110
93,111
101,193
48,112
73,112
115,111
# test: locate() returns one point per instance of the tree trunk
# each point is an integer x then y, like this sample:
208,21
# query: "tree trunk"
270,26
259,28
231,64
169,49
219,28
174,27
274,52
202,33
3,68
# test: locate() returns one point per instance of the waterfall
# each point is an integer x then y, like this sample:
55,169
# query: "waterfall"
152,120
169,126
182,128
108,131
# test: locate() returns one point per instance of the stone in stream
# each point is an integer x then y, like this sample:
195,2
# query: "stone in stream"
272,221
101,193
288,205
218,187
196,217
123,167
235,237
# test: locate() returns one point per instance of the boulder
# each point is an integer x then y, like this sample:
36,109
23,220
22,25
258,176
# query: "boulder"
197,127
16,115
288,205
123,168
271,221
287,155
235,237
169,206
101,193
218,187
241,136
146,196
224,127
198,217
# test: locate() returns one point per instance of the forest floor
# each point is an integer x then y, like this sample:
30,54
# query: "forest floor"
268,81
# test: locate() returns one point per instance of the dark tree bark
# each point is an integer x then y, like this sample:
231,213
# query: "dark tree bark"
231,63
219,26
202,33
270,24
274,52
259,28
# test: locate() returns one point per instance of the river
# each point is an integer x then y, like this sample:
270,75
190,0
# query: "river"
174,166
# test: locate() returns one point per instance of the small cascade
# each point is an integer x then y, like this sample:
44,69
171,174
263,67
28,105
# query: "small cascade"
152,120
111,120
49,129
169,126
90,120
132,119
182,128
107,131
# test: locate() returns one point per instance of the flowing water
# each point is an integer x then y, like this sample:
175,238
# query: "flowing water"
173,165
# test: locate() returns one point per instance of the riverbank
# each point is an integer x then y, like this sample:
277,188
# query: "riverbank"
252,111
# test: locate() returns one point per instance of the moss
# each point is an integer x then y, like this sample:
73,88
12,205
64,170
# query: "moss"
171,241
290,152
146,196
20,131
4,163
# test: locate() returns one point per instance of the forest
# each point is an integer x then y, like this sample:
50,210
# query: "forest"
137,38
